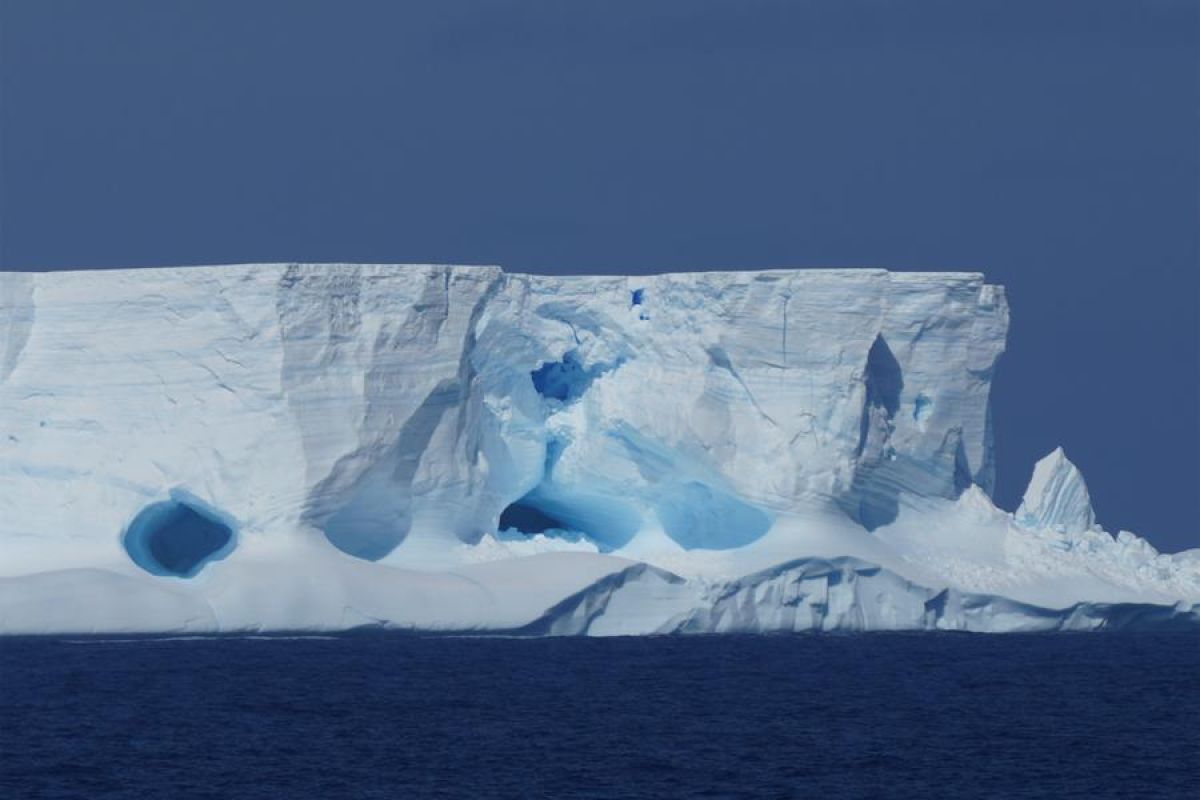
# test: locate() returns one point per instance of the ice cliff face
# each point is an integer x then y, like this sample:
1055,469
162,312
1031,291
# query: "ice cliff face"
323,446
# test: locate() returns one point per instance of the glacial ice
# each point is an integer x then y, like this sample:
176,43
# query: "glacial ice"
176,537
321,447
1057,497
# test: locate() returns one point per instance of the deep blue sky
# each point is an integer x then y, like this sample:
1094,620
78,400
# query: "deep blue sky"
1052,145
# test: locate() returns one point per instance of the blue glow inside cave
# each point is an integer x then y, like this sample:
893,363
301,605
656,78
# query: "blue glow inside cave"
564,380
698,516
177,538
527,518
568,513
552,511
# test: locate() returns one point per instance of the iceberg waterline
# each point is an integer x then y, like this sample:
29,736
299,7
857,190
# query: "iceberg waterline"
319,447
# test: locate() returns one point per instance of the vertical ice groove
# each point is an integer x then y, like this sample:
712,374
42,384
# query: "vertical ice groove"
393,353
925,427
988,338
16,318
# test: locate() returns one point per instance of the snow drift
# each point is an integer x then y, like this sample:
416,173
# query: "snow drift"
282,447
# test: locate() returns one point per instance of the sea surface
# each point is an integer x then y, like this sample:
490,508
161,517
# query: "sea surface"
401,716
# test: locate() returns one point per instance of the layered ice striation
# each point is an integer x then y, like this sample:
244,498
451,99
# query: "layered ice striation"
289,446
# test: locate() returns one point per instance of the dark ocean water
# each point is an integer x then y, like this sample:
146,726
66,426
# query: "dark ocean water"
394,716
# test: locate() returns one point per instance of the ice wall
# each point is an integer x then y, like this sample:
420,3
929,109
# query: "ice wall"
289,446
367,404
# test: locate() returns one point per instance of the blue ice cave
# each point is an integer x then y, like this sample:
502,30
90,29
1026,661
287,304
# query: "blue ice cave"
565,380
527,518
177,538
602,518
698,516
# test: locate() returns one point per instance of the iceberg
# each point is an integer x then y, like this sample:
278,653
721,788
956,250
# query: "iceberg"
320,447
1057,497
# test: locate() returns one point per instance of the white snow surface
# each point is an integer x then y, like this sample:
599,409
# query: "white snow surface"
283,447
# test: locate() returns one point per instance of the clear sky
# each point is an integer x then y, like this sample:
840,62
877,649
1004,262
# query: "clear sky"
1052,145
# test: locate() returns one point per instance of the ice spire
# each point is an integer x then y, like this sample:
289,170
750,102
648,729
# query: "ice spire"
1057,497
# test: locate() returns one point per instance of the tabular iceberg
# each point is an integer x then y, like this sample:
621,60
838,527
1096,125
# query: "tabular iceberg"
321,447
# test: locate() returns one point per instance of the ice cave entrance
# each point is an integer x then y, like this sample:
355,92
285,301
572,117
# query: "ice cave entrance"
550,510
529,519
176,538
565,380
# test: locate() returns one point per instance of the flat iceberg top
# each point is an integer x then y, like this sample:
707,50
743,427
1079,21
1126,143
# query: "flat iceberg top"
321,446
817,273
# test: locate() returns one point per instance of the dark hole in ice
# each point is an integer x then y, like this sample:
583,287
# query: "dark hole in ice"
883,377
564,380
529,519
884,383
176,538
962,470
573,513
873,500
548,510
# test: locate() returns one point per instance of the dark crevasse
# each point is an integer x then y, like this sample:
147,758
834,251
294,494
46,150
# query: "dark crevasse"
874,500
885,380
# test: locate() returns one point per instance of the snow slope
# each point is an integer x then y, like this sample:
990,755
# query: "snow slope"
285,446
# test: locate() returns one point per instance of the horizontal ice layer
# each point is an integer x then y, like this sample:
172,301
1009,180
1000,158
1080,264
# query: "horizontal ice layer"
349,437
